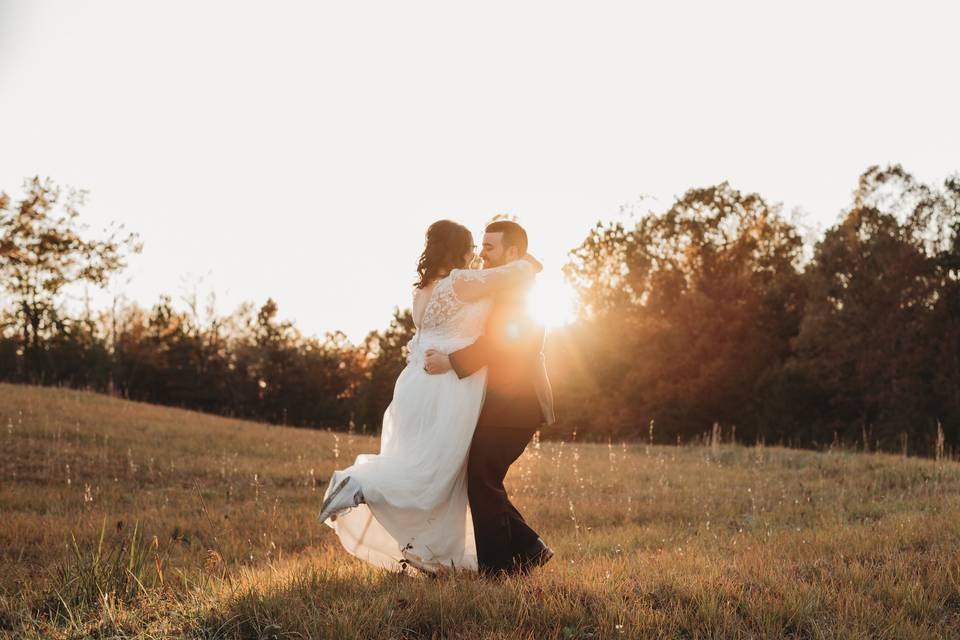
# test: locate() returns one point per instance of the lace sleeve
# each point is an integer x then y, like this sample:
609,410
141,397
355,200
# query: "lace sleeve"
473,284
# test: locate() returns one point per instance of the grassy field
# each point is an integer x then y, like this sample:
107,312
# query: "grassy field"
208,531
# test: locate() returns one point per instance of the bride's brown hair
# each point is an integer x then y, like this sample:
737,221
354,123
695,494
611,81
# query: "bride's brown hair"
447,244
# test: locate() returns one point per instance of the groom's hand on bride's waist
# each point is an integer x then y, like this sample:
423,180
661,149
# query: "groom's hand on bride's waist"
436,362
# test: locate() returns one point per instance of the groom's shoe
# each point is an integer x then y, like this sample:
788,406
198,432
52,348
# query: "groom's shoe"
537,555
346,495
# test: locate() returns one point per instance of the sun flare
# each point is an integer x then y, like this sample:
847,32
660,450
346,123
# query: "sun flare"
553,302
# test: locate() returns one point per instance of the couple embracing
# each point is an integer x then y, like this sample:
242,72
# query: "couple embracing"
470,399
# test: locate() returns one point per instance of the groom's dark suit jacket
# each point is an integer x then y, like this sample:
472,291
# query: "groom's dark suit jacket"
510,349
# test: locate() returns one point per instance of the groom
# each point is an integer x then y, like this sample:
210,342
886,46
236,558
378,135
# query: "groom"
518,399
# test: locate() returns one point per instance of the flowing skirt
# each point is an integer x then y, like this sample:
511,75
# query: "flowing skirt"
416,507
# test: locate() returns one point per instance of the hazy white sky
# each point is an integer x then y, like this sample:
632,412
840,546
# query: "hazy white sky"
299,149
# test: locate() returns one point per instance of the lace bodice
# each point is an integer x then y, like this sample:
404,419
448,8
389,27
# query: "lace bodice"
450,322
443,306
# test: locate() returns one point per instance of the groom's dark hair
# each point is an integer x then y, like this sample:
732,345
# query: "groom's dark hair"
513,234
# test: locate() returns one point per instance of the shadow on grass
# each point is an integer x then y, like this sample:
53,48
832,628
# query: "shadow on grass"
326,604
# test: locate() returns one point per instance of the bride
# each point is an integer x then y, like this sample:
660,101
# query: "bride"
407,505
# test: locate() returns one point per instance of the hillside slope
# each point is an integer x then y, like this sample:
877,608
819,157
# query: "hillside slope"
650,541
71,458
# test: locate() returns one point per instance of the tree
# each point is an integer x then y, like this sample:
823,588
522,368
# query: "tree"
690,308
42,250
385,354
881,334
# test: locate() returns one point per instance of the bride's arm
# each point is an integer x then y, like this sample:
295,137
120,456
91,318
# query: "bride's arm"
475,284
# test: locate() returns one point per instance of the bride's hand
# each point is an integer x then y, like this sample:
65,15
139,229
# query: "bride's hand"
435,362
537,265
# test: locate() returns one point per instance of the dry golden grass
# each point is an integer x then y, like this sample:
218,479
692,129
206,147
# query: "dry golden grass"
673,542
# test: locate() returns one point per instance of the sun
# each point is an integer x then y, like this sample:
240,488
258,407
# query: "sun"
552,302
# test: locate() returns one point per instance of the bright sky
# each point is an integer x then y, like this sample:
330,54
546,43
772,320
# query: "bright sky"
298,150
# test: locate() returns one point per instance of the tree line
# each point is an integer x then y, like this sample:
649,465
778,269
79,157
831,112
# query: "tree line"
706,316
707,313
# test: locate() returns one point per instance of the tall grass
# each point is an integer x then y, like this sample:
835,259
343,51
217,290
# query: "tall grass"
121,568
714,540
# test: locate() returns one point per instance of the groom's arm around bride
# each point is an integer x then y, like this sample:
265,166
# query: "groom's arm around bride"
517,401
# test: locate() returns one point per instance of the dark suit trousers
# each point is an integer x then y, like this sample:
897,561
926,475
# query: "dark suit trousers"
499,529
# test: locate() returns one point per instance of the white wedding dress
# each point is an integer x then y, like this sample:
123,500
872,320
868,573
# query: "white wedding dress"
415,489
